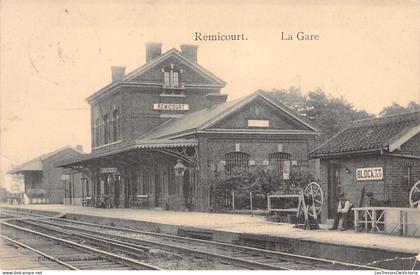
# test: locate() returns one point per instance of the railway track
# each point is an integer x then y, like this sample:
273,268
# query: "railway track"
70,255
228,255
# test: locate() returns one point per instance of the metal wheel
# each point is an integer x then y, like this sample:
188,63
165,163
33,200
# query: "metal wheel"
314,190
415,195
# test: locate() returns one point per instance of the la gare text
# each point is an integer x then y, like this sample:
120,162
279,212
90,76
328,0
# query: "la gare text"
301,36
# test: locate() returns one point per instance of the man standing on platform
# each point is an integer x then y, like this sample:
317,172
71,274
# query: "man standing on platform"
343,212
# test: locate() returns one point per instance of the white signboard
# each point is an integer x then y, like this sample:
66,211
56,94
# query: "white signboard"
65,177
371,173
258,123
171,106
109,170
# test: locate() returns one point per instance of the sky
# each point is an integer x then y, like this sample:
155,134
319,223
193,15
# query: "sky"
55,53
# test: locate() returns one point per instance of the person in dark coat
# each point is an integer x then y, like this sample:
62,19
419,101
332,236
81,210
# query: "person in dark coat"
343,212
372,202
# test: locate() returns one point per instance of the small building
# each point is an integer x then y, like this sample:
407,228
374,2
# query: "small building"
160,132
45,183
380,155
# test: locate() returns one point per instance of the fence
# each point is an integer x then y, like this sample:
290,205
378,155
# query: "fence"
390,220
239,200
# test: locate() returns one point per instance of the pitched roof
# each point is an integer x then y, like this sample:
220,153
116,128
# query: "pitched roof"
204,118
36,163
371,135
172,52
169,134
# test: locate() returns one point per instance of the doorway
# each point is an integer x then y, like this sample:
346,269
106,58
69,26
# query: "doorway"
334,188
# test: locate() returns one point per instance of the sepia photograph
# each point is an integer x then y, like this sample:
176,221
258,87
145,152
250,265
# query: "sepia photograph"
209,136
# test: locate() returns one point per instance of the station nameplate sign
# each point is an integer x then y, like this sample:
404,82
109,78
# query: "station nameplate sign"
171,106
65,177
109,170
371,173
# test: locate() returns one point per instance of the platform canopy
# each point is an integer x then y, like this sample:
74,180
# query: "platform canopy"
136,145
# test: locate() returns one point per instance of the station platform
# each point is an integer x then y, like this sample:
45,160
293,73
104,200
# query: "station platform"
236,225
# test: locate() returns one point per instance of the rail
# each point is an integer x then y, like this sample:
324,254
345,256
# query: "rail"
217,256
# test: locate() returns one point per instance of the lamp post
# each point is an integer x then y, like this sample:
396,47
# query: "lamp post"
179,169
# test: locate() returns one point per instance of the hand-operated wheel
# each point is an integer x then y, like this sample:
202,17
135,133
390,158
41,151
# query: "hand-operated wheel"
314,192
415,195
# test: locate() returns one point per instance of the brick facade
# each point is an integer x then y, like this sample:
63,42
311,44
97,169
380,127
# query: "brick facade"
400,163
195,127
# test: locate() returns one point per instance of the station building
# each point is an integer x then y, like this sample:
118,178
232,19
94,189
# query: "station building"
46,183
380,155
160,133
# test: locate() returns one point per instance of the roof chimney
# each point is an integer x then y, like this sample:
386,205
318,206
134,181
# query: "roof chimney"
117,73
214,99
79,147
153,50
189,52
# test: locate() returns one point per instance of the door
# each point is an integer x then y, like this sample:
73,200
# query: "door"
333,188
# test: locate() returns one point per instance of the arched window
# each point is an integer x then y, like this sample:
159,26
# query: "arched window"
278,160
236,160
116,125
106,129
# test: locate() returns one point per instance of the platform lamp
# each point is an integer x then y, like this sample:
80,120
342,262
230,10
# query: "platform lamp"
179,168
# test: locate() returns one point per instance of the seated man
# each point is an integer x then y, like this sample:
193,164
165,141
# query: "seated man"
343,212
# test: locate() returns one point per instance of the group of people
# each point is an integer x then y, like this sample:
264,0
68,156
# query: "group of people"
345,213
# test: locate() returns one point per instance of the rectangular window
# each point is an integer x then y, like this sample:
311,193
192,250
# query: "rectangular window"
175,80
166,78
262,123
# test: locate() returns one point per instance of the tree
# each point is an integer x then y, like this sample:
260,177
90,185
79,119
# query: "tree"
396,108
328,113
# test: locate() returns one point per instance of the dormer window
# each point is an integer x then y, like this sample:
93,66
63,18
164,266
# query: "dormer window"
171,77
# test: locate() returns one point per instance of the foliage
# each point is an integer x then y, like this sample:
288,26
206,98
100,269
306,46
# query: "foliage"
256,179
328,113
261,180
395,108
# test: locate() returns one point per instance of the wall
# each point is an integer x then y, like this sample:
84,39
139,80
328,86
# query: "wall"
136,101
52,182
398,183
411,147
260,110
393,189
212,150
